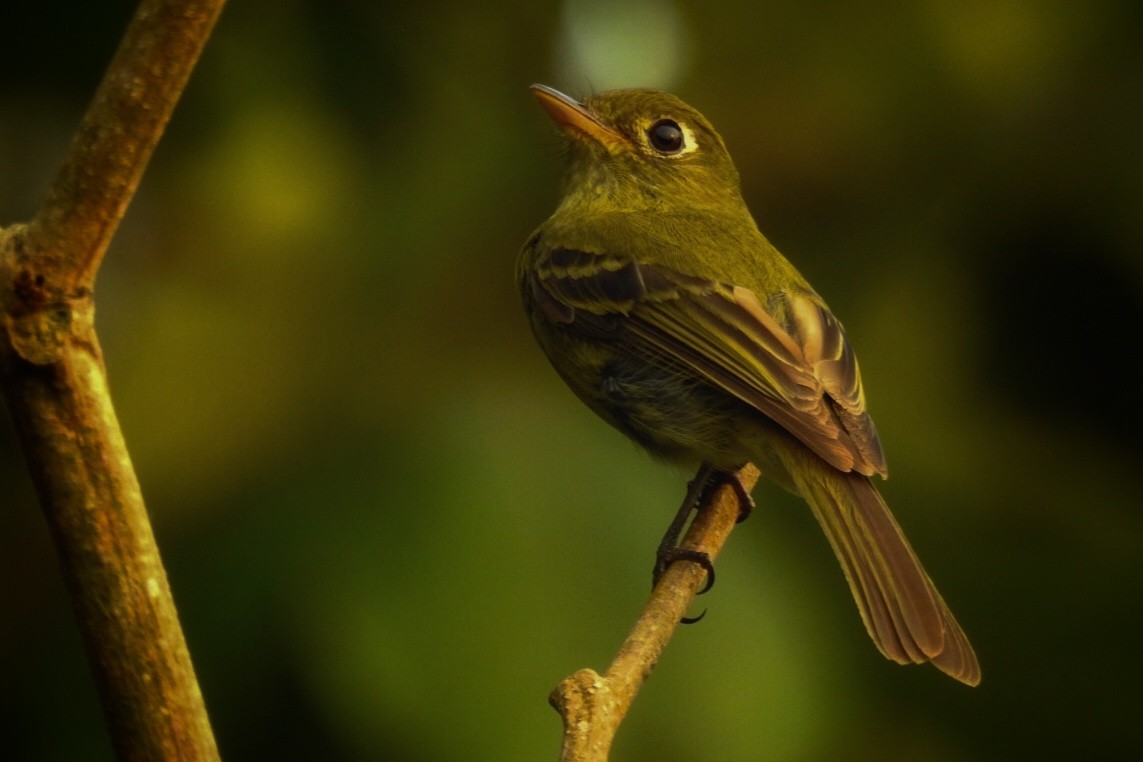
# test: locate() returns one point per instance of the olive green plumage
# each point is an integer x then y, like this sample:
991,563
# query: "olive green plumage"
659,302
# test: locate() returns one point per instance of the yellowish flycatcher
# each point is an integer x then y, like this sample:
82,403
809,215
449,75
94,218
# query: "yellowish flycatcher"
659,302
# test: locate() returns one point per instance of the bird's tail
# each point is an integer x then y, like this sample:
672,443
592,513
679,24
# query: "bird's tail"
901,608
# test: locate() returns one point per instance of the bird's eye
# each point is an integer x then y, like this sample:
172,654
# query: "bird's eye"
666,136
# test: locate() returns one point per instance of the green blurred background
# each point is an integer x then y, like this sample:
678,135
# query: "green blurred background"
389,528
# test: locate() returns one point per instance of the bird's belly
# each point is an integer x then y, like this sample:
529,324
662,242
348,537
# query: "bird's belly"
671,413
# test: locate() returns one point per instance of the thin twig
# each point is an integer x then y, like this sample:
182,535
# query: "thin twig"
55,388
593,706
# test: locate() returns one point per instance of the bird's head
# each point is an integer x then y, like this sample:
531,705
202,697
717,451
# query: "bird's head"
640,148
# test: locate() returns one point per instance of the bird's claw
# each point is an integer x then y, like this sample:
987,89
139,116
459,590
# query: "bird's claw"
668,556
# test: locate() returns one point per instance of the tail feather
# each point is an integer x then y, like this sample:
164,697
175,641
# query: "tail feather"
902,610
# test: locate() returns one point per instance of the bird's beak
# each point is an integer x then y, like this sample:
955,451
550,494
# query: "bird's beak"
571,117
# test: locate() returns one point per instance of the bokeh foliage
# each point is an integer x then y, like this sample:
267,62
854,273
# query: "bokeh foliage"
390,529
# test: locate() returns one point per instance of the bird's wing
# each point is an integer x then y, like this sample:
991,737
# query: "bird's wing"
802,374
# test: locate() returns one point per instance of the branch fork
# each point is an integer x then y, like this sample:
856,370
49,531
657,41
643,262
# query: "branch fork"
55,387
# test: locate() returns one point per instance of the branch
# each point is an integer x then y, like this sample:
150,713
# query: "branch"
55,387
592,706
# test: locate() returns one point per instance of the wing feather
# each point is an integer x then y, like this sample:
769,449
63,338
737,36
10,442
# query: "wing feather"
803,375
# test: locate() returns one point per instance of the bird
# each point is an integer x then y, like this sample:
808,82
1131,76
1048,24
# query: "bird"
664,308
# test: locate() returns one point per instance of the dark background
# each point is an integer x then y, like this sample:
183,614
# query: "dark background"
389,528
